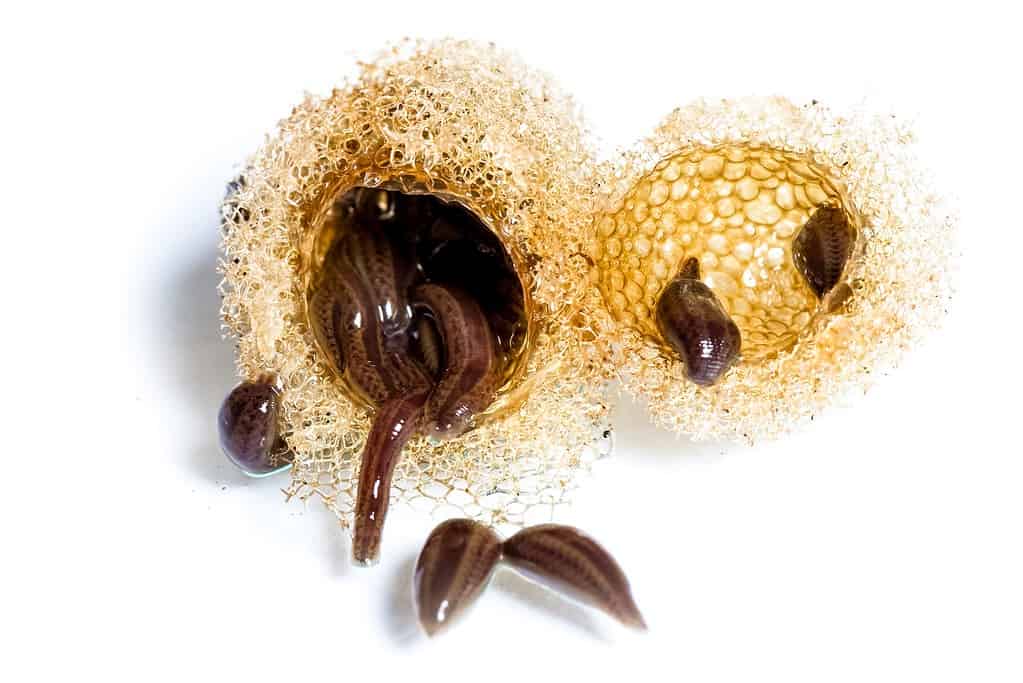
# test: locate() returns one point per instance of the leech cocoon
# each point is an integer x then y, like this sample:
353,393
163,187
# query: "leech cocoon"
824,307
472,127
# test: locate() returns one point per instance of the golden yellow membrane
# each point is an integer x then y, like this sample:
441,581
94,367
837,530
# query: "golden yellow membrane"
732,183
737,209
470,124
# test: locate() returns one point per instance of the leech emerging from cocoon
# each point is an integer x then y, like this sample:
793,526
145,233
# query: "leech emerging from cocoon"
407,335
695,325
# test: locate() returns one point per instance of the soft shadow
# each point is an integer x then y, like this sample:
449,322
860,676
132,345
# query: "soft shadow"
339,546
402,625
650,444
201,362
549,603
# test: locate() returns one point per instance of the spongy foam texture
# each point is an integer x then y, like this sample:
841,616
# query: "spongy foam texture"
746,173
471,123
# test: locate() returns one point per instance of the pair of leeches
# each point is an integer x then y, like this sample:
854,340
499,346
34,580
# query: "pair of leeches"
461,555
696,326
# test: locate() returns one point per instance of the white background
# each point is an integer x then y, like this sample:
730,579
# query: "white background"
883,543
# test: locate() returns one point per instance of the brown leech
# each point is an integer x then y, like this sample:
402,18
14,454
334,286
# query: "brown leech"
572,563
470,375
427,345
693,322
453,568
395,422
249,430
822,248
360,315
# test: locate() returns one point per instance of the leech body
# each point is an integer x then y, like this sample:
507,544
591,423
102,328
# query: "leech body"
361,315
692,321
466,386
395,422
469,378
572,563
453,568
427,344
822,248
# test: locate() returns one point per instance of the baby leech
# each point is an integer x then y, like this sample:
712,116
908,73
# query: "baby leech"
695,325
461,555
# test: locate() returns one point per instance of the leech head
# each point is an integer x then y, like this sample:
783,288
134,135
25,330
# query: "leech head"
453,423
395,323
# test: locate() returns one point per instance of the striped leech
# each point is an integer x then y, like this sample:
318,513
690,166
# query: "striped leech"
422,354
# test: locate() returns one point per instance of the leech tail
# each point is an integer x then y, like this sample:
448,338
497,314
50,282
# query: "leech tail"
396,421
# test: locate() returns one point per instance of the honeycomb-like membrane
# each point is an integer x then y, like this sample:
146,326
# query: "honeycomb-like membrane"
472,124
736,208
731,182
